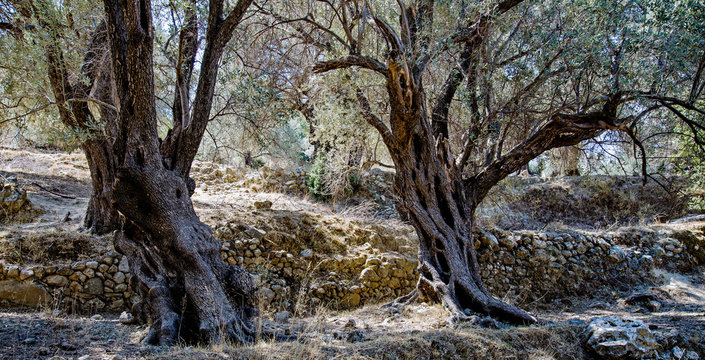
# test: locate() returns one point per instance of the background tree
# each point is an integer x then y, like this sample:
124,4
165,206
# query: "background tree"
507,82
74,79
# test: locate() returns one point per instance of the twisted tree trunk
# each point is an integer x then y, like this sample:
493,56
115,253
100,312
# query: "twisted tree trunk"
432,194
187,291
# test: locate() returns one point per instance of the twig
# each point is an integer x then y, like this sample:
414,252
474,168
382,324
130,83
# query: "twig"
52,192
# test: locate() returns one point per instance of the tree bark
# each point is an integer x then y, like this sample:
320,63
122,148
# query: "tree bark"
186,290
101,217
432,194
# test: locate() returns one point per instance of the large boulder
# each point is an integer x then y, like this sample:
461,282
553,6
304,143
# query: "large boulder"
24,294
617,338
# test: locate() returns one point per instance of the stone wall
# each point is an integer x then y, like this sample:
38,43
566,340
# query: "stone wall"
517,265
87,286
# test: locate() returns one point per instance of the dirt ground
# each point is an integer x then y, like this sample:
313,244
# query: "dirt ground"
417,332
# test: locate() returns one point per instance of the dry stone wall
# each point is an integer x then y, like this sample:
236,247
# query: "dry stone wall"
518,265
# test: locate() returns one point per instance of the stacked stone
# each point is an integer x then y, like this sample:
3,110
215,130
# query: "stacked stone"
521,264
87,285
533,264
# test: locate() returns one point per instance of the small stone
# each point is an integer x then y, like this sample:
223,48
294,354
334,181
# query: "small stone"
653,306
125,317
306,253
351,300
263,205
56,280
26,274
94,286
67,346
84,357
576,322
369,275
355,336
282,317
119,277
616,254
29,341
617,338
123,266
255,232
97,317
92,265
691,355
678,352
351,324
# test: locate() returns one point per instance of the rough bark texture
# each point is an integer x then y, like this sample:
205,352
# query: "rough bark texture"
186,290
431,193
434,188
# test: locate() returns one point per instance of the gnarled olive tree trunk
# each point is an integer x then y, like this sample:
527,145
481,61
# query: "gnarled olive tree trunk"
187,291
430,191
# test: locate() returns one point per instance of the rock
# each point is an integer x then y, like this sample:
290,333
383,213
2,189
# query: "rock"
29,341
508,242
123,266
617,338
255,232
653,306
26,274
691,355
84,357
351,300
67,346
56,280
506,258
97,317
119,277
636,299
539,244
266,293
369,274
25,294
576,322
92,265
125,318
351,324
263,205
489,240
355,336
13,271
282,317
306,253
616,254
94,286
12,198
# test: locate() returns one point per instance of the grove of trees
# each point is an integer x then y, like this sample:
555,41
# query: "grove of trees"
460,93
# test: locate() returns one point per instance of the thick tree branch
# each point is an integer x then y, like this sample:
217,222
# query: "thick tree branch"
373,120
561,130
350,61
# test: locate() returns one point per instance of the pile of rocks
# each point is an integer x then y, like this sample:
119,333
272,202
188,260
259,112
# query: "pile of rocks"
618,338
